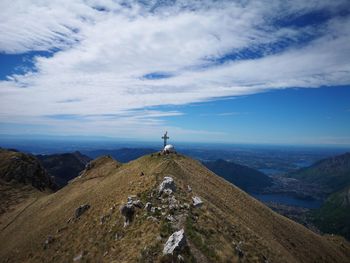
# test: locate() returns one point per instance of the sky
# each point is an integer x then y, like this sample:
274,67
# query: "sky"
269,72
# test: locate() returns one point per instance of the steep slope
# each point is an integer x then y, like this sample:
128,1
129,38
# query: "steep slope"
230,226
64,167
242,176
331,173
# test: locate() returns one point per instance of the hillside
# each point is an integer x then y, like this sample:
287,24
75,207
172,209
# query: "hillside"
242,176
23,168
332,173
334,214
332,176
64,167
82,222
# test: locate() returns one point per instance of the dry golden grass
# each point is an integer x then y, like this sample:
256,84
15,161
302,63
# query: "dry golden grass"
228,216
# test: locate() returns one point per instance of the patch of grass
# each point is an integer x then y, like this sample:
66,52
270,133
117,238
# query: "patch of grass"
166,229
201,241
150,254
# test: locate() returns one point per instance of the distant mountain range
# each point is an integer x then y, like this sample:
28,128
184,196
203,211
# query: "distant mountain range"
333,175
246,178
123,155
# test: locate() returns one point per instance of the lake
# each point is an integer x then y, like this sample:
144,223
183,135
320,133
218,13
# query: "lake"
285,199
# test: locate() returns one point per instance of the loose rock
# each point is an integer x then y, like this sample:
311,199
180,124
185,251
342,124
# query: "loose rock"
148,206
189,189
176,242
197,202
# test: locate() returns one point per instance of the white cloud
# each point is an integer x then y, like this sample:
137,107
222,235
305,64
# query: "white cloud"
106,48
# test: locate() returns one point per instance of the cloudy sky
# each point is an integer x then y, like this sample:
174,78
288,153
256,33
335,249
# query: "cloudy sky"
228,71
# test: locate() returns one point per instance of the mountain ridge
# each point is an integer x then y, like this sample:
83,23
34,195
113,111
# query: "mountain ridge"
235,226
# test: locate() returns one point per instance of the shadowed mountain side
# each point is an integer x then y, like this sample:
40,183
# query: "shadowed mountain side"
242,176
229,227
22,181
334,215
24,169
64,167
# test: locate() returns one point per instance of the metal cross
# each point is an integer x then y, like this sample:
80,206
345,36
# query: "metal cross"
165,138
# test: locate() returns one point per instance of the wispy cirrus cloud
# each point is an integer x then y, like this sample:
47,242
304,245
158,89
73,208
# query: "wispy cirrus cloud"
110,57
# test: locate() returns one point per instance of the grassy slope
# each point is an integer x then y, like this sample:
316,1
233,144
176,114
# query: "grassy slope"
227,217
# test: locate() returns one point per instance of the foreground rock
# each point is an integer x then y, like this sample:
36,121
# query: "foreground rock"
197,202
81,210
168,185
176,242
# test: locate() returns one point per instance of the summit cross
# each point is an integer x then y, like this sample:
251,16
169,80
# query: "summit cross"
165,138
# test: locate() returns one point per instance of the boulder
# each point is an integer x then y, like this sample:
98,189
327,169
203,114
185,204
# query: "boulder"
81,210
197,202
128,211
167,183
176,242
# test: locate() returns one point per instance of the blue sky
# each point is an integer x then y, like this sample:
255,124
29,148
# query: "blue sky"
209,71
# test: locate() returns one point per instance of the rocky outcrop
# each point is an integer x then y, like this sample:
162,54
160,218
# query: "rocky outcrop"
176,242
128,210
168,185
